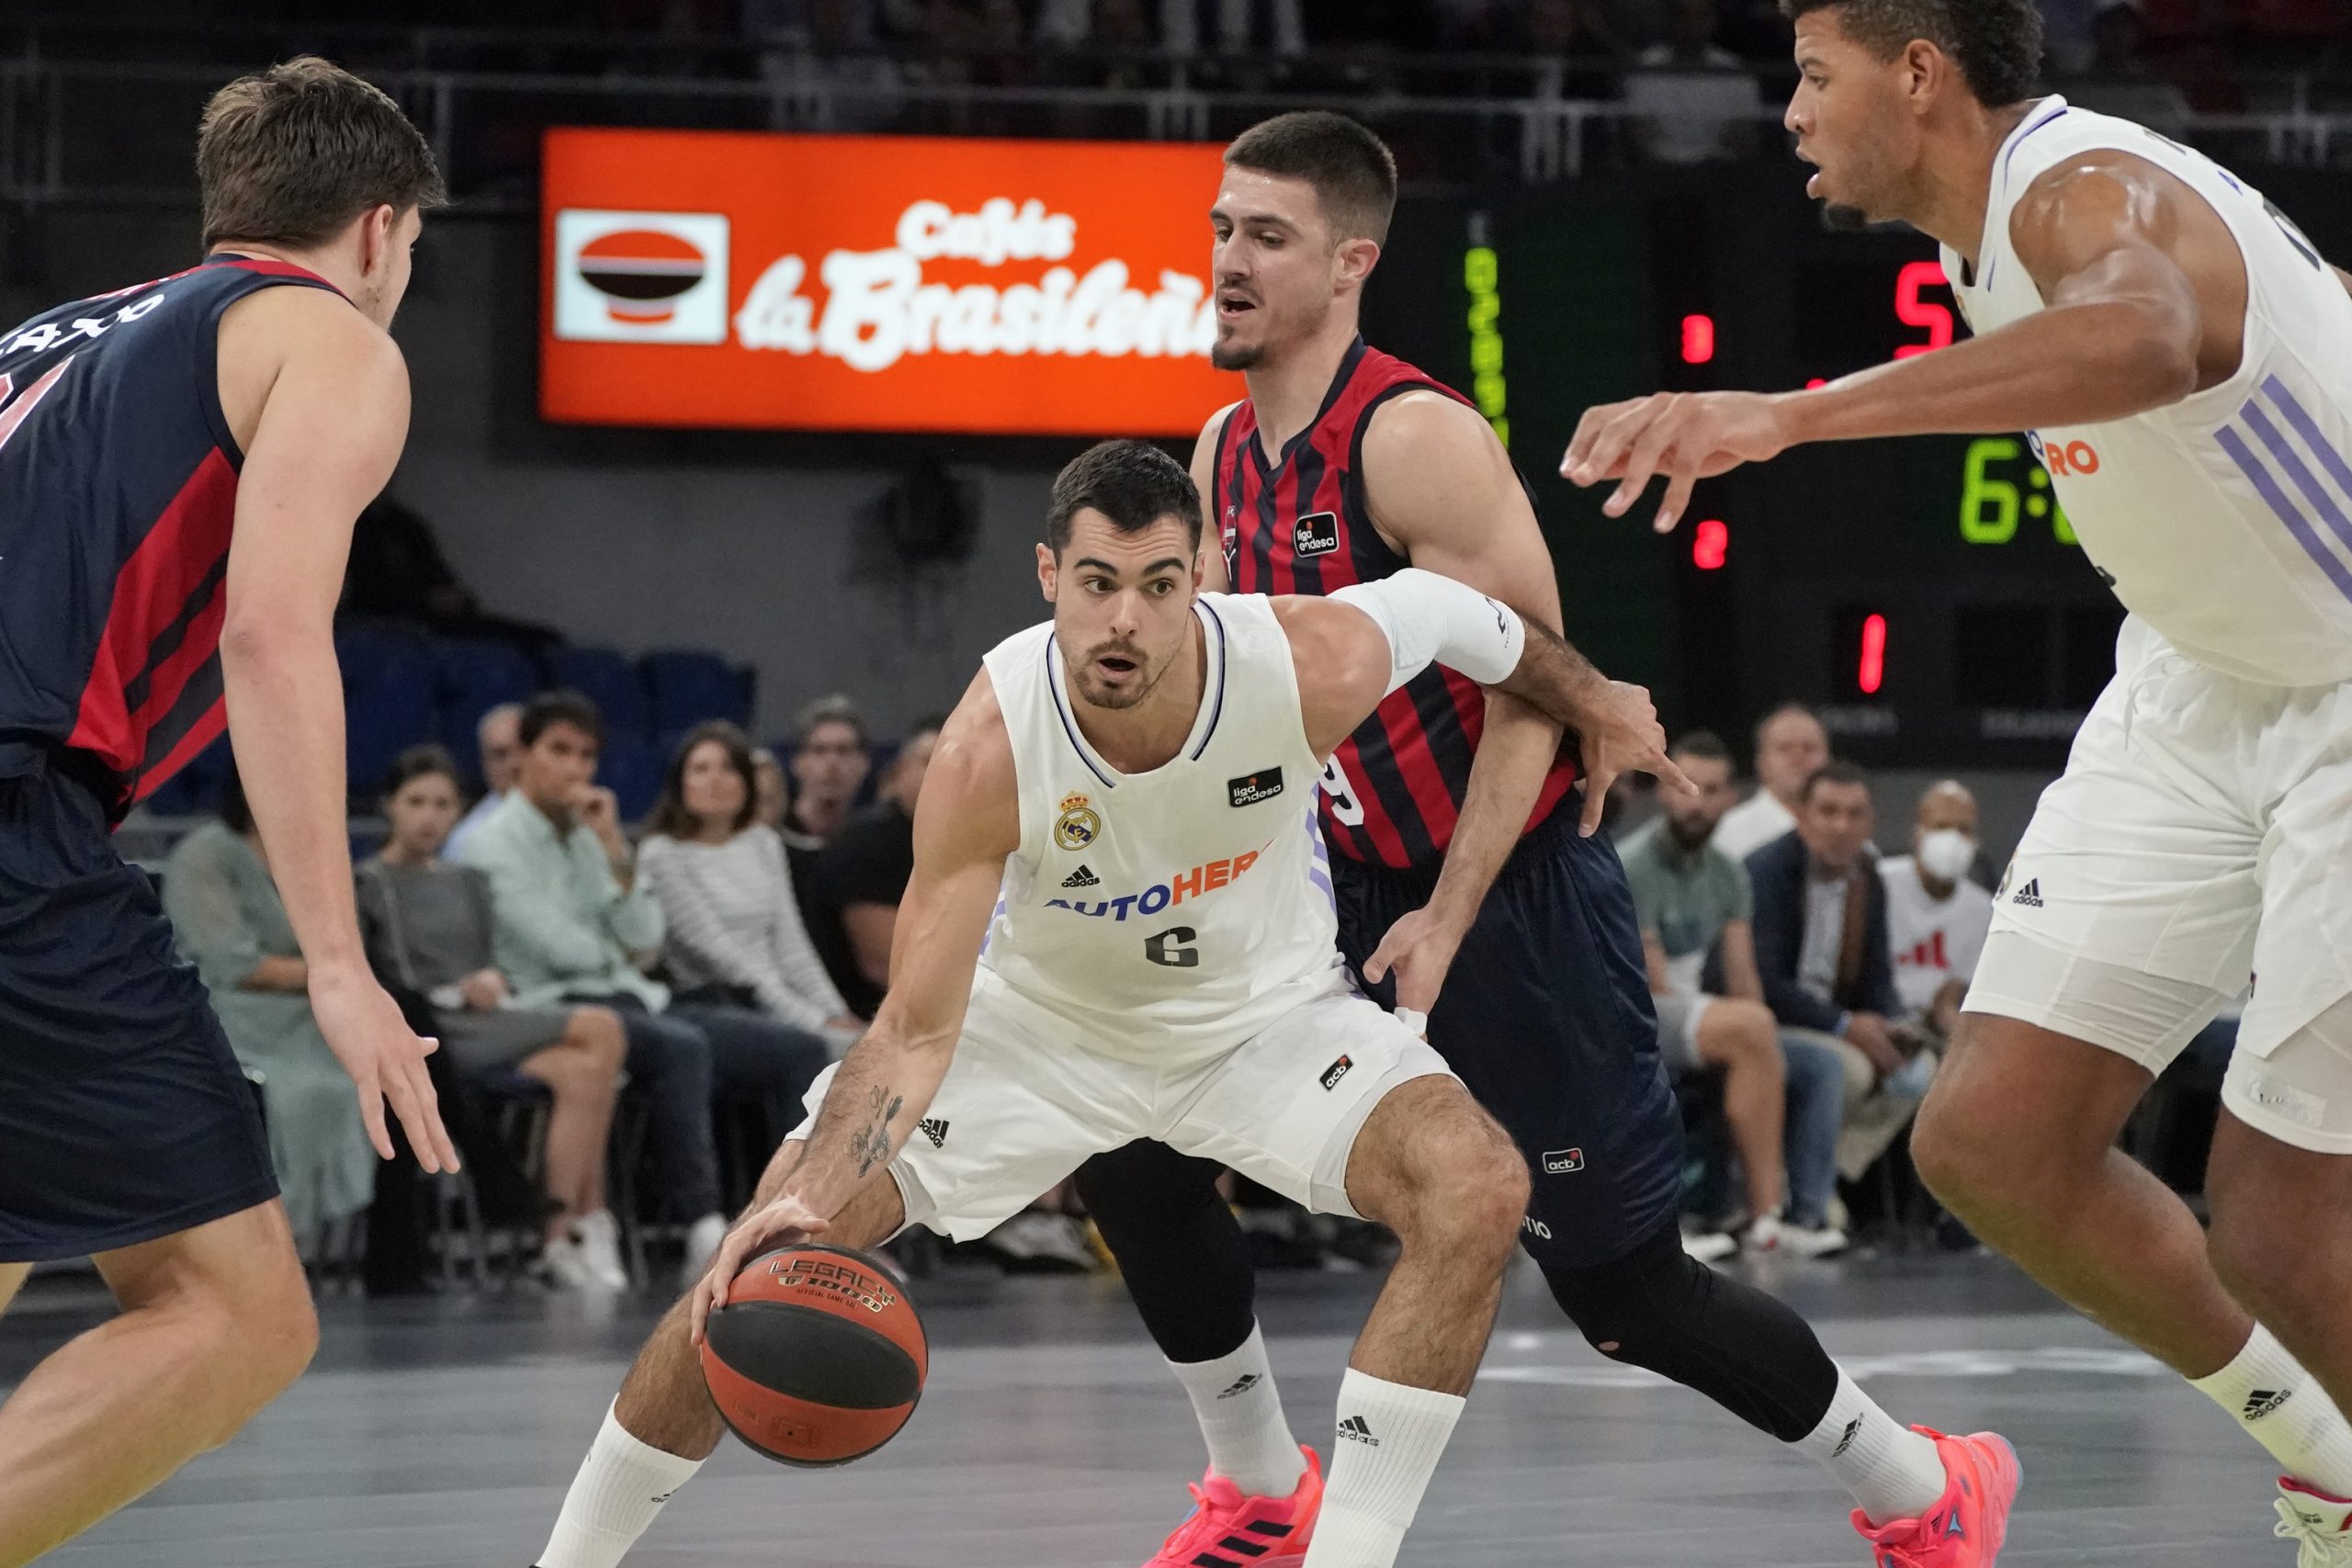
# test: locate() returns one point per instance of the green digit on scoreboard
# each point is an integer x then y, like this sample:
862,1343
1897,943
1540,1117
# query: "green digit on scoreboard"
1979,491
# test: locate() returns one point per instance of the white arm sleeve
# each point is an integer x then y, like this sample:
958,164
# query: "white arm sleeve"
1430,619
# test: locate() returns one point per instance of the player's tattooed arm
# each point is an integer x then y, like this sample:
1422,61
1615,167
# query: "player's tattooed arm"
967,822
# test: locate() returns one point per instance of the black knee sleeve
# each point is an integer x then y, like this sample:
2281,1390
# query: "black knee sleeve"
1178,1249
1657,1307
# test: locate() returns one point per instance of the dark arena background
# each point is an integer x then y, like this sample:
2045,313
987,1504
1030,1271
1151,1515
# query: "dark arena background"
743,359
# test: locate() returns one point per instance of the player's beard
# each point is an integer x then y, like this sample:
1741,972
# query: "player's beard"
1226,355
1839,219
1134,695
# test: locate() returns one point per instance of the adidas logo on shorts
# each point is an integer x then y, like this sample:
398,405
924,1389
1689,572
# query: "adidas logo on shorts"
2030,894
1082,877
935,1129
1241,1384
1356,1430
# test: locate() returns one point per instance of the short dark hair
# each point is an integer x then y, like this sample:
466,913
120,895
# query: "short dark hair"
1703,744
289,155
549,710
415,763
671,817
1132,483
1831,773
1354,173
835,707
1997,43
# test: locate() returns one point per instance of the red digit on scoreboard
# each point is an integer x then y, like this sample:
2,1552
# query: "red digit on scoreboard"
1911,310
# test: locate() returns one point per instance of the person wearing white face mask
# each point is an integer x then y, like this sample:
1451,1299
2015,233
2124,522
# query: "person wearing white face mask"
1936,915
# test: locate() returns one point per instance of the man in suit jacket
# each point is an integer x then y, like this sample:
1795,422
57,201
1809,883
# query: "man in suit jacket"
1821,948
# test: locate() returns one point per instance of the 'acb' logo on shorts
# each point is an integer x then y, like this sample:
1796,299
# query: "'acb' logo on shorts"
1078,825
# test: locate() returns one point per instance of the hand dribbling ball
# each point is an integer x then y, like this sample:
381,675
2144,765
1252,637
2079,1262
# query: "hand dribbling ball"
818,1358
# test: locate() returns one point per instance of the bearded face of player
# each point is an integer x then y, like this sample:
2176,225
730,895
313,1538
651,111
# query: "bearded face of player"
1281,268
1857,120
1123,605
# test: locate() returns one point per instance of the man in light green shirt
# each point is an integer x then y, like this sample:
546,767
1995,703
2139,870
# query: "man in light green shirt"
1783,1099
571,926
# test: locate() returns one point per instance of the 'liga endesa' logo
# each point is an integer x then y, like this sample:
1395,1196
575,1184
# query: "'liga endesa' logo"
878,308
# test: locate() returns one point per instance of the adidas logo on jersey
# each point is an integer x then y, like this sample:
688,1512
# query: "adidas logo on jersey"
1082,877
2030,894
935,1129
2264,1402
1241,1384
1355,1430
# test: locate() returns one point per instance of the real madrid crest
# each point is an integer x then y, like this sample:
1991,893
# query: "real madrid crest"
1078,825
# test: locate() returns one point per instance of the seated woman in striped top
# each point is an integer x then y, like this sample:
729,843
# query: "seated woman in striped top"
735,934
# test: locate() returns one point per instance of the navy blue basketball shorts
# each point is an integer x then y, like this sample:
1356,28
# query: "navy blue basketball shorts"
1546,1016
123,1114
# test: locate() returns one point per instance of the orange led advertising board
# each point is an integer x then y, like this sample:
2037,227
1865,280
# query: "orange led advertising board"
753,280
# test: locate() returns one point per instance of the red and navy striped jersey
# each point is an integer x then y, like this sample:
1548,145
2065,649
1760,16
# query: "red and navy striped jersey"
1300,524
118,489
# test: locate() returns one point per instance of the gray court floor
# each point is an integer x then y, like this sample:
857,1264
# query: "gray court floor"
440,1434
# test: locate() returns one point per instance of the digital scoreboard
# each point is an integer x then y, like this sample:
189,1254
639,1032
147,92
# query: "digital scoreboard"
1926,594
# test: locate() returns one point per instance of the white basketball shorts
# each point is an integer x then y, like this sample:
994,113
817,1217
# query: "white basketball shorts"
1025,1102
2201,836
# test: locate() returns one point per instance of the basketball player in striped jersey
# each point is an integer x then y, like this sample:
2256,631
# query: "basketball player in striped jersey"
1474,893
181,462
2182,357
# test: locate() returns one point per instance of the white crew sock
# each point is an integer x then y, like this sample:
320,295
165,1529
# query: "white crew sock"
1390,1438
1241,1418
1893,1472
2284,1408
621,1486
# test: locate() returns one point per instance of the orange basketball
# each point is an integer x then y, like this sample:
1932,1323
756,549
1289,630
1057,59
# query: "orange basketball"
818,1358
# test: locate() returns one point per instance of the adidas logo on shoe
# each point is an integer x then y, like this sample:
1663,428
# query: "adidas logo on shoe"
1082,877
1355,1430
2265,1401
2030,894
1241,1384
935,1129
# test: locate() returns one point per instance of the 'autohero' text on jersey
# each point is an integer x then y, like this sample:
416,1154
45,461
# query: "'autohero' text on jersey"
1201,879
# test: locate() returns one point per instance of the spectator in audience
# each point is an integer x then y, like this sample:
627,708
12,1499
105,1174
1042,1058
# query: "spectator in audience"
1234,27
1690,100
227,919
824,58
1791,747
573,926
830,762
861,875
498,734
2119,81
1937,914
735,932
429,926
1784,1102
772,798
1821,948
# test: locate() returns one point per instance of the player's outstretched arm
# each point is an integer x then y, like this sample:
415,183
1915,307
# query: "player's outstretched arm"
1360,642
330,431
2101,236
967,823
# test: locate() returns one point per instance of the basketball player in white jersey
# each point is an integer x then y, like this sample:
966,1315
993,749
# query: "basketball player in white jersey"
2183,356
1121,926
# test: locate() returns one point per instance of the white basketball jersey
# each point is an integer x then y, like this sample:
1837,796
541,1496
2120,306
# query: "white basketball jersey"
2224,521
1174,914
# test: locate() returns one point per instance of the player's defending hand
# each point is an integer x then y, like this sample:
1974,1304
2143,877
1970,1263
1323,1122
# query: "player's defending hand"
1686,436
1419,948
781,1222
1622,736
386,1060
